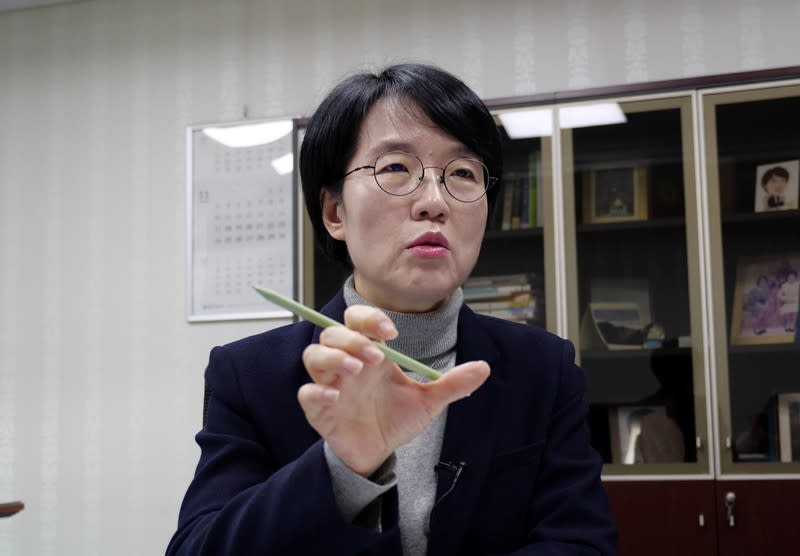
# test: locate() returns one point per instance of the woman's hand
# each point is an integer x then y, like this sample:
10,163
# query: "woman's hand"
362,404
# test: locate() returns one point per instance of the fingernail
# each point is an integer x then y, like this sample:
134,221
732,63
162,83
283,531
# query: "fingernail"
373,354
352,365
330,394
388,329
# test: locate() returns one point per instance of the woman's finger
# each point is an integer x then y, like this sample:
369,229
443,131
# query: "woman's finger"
370,321
459,382
316,401
352,342
326,365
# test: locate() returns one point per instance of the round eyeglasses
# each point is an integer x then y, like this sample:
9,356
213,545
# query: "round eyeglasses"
400,173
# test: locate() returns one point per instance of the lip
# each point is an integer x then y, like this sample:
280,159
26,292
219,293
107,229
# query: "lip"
430,245
430,239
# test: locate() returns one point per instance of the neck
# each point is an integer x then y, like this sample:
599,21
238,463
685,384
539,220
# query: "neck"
425,336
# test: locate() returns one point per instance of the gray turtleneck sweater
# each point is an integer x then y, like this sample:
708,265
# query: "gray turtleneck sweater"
431,339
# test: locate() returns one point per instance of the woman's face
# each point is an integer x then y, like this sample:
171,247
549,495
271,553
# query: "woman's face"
396,266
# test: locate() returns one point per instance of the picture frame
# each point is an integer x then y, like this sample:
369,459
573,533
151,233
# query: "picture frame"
643,433
612,326
615,193
776,186
789,426
765,300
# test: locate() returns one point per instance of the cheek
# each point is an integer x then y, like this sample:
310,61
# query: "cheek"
473,224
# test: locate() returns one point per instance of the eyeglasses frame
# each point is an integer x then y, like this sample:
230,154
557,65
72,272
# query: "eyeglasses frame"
490,180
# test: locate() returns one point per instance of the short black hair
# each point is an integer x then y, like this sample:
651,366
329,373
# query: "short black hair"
331,137
777,171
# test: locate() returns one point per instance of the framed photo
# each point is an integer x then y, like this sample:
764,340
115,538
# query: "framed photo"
615,194
612,326
644,434
789,426
765,300
777,186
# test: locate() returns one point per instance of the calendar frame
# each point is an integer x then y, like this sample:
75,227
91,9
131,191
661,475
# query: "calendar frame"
196,221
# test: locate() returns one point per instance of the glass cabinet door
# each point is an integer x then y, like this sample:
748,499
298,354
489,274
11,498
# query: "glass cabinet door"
509,279
633,285
753,162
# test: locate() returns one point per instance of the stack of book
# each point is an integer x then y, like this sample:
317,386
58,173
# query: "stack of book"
513,297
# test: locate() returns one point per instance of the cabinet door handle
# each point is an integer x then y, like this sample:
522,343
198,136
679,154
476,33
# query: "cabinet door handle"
730,501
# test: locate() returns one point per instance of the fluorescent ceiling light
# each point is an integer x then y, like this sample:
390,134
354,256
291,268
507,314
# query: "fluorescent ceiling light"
284,164
520,124
538,122
585,115
249,135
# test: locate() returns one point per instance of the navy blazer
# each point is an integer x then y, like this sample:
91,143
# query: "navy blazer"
531,484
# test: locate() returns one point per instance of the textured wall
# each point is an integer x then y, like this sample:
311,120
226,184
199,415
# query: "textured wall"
100,376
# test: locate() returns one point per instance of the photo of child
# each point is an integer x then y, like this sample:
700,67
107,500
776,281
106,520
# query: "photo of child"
777,186
766,300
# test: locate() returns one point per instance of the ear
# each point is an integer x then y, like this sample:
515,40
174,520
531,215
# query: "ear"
332,213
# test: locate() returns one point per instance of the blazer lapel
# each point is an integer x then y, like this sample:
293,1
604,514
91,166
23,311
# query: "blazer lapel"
468,439
333,309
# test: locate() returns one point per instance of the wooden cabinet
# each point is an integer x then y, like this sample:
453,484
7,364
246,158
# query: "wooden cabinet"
665,518
764,517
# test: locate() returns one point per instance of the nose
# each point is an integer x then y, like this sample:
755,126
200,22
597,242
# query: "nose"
431,201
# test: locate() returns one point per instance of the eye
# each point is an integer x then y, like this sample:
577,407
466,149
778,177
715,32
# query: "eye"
464,173
393,167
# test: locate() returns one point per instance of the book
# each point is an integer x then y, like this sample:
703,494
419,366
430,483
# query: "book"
513,297
533,186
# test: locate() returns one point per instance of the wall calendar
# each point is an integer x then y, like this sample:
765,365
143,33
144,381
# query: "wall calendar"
242,219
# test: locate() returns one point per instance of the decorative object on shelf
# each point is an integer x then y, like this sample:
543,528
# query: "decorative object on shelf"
654,336
777,186
765,301
622,289
644,434
616,193
514,297
612,326
789,426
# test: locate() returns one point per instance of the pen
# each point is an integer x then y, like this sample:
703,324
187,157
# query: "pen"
321,320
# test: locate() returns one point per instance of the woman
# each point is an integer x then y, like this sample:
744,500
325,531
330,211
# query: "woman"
397,170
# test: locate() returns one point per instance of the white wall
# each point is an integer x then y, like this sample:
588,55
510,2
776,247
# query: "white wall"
100,375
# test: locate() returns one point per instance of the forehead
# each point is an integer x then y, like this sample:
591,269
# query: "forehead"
401,124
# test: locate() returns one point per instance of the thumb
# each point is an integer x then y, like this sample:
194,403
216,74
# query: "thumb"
459,382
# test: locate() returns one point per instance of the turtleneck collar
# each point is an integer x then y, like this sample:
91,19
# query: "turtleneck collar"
428,337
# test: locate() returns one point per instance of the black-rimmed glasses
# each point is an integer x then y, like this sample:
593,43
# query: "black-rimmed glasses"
400,173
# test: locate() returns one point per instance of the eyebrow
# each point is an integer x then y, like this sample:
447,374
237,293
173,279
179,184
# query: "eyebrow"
390,145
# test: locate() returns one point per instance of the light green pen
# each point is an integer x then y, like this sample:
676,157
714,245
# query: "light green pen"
321,320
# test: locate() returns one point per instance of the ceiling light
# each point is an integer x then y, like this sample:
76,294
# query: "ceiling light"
521,124
585,115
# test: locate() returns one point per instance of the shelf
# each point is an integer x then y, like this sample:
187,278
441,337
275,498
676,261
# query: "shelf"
635,353
750,217
765,348
512,234
634,225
